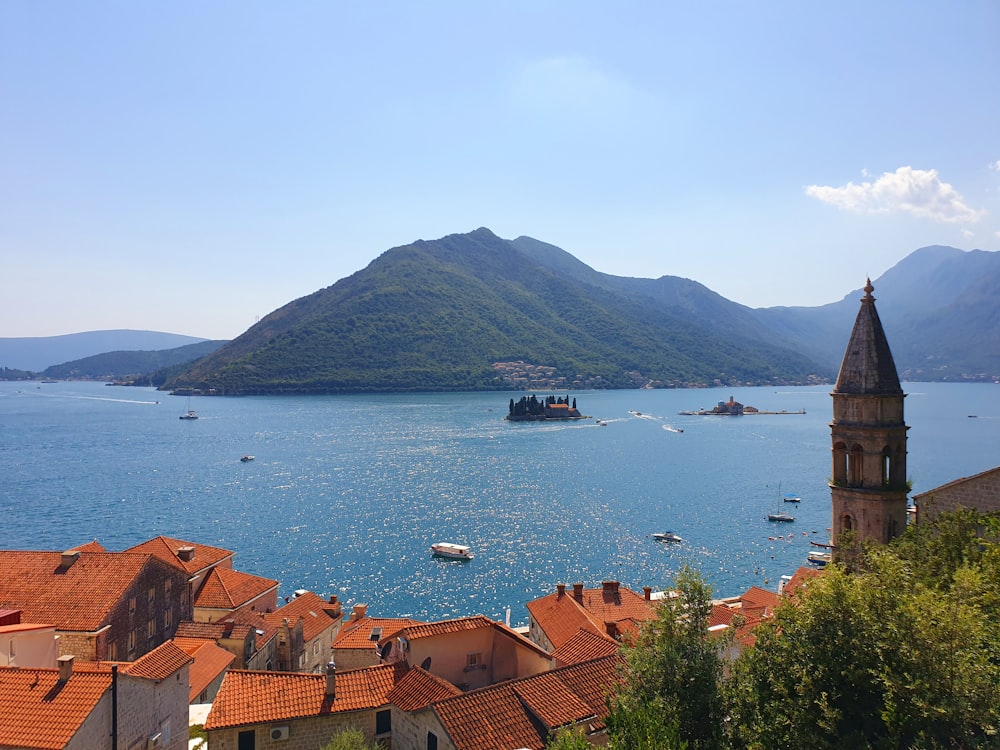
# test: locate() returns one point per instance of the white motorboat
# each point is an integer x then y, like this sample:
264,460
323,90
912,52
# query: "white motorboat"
451,551
667,536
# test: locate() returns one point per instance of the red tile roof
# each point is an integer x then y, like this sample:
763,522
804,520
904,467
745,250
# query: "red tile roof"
38,711
800,579
167,549
612,607
522,713
419,688
585,646
357,633
308,606
159,664
209,662
78,596
225,588
260,697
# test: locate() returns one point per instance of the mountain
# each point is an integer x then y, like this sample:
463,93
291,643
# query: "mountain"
37,353
139,367
940,307
441,315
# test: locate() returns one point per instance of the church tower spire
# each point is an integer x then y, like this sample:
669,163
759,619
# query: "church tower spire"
868,490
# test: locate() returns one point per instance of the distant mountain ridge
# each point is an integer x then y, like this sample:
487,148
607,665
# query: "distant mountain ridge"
440,314
35,354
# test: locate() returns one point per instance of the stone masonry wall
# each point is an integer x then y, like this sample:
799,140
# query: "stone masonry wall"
980,492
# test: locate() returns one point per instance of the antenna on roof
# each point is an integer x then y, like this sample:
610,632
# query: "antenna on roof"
426,664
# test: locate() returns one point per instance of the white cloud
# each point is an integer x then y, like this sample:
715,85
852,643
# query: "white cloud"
968,234
914,191
995,166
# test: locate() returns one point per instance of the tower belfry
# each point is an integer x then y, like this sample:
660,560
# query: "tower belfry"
868,489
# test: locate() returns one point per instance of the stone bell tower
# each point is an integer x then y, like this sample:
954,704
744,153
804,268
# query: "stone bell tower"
868,490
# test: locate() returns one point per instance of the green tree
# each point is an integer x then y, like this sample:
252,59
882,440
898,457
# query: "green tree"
670,695
352,739
569,739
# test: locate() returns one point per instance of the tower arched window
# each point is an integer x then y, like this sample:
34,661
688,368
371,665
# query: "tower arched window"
886,466
839,463
855,473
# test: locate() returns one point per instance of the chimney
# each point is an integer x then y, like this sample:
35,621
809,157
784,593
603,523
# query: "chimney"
560,589
360,610
578,591
68,558
65,667
647,592
331,680
610,587
186,554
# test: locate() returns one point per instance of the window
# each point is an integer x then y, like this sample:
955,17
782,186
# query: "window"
151,629
432,741
383,722
152,594
167,585
246,740
112,652
131,604
11,651
132,638
474,661
316,649
168,619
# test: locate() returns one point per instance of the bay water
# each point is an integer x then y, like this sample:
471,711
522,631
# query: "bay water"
346,493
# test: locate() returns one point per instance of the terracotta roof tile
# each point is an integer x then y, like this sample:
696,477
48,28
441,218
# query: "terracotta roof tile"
310,608
78,596
584,646
419,688
461,625
159,664
225,588
38,711
209,662
260,697
93,546
166,549
560,616
800,579
357,633
521,713
758,597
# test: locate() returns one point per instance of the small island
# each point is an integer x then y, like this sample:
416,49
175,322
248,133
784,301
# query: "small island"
733,408
530,409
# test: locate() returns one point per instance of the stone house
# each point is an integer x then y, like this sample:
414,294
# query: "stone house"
70,708
299,711
307,625
226,592
105,606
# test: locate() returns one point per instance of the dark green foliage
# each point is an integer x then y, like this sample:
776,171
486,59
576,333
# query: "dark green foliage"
671,693
437,315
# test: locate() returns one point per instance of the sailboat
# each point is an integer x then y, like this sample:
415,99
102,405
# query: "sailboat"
780,515
190,413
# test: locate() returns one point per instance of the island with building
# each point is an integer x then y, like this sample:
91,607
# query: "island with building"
531,409
733,408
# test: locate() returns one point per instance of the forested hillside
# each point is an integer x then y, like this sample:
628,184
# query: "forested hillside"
438,315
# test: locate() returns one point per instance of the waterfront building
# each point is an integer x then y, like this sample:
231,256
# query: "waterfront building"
868,487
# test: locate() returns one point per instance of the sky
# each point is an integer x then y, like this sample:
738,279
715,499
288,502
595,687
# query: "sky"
189,167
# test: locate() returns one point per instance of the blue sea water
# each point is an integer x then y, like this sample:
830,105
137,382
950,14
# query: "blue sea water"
347,493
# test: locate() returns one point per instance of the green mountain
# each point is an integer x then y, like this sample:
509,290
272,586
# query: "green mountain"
476,312
133,366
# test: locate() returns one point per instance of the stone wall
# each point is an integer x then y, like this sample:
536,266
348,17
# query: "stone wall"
303,734
409,730
979,492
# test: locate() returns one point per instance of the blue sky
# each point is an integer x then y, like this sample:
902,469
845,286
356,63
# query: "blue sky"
191,166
